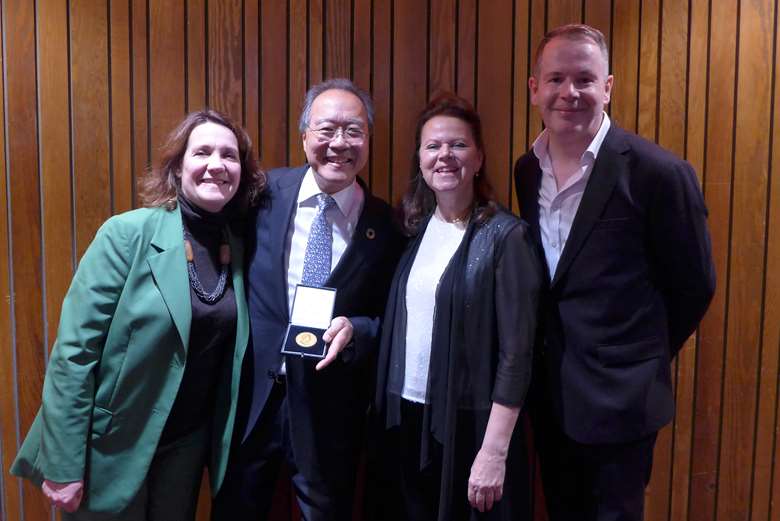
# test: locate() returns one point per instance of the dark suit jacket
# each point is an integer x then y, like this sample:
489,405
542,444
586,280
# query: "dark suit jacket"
632,283
326,408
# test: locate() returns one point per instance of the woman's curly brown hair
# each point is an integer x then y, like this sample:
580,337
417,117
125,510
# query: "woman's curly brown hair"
161,185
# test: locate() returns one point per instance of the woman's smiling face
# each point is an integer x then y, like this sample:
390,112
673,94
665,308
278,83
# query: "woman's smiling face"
449,156
211,167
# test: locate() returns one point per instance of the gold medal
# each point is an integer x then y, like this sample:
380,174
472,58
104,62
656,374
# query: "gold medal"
305,339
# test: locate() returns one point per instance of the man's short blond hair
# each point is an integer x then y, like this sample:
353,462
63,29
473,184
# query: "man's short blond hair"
575,32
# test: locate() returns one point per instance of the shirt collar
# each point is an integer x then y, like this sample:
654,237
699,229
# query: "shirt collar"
542,154
345,198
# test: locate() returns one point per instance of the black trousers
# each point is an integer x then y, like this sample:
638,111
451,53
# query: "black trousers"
582,482
255,465
399,490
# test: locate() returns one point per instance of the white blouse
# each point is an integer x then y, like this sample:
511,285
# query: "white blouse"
437,247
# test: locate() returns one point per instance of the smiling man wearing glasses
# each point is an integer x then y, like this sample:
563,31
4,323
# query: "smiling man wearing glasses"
318,226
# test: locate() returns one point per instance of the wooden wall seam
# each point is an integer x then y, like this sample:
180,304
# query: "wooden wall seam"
11,490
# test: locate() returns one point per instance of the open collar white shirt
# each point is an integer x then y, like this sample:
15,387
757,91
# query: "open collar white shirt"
558,206
343,219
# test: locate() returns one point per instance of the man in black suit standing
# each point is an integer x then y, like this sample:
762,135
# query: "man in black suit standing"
317,226
622,226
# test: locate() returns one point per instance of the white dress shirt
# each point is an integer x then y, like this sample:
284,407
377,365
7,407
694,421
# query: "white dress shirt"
558,206
342,219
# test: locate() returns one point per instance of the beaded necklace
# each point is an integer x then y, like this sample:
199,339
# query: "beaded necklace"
192,270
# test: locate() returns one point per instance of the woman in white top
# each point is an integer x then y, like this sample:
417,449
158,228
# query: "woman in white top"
455,359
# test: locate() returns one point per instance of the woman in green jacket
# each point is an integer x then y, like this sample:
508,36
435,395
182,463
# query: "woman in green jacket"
142,382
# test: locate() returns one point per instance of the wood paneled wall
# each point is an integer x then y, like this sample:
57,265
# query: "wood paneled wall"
89,88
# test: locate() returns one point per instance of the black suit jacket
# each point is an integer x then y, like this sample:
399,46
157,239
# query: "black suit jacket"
632,283
326,408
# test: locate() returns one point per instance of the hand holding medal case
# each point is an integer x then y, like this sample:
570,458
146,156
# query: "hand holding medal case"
312,312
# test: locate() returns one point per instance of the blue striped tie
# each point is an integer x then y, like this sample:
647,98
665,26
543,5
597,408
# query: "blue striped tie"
319,248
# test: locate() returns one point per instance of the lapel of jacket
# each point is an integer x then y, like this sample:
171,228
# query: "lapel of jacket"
360,250
286,196
609,165
242,324
168,265
529,179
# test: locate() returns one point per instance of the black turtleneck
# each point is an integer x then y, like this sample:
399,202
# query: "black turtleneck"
213,328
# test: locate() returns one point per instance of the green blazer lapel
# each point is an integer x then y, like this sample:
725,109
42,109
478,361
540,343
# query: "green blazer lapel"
168,265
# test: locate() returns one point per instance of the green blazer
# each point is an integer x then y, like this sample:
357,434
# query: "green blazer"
118,360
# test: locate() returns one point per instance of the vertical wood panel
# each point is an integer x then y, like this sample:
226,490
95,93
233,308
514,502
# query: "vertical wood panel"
299,44
55,158
717,191
98,87
139,56
686,364
538,29
123,179
774,506
166,67
315,23
361,43
521,70
197,54
769,480
671,135
466,43
696,86
494,91
625,64
441,49
409,85
251,68
561,12
751,155
648,69
361,58
381,86
10,489
598,13
673,76
25,219
273,83
338,56
89,70
225,67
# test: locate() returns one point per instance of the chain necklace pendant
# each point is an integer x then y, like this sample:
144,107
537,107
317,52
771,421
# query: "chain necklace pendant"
192,270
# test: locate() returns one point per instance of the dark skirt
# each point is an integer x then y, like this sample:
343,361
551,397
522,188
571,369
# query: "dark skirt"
399,489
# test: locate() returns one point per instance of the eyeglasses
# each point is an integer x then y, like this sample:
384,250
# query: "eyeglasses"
353,134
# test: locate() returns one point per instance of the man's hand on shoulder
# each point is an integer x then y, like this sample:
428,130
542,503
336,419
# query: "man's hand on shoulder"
339,335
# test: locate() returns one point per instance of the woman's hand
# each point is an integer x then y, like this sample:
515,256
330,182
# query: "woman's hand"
66,496
486,482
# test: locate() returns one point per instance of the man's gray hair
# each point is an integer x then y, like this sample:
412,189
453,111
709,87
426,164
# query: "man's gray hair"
335,84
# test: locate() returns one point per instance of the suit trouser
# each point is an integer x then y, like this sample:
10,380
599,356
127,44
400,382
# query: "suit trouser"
170,490
598,482
254,467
